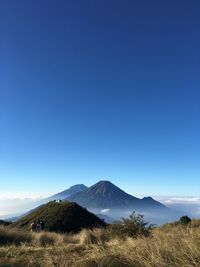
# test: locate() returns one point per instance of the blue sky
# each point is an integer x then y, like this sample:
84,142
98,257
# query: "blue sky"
94,90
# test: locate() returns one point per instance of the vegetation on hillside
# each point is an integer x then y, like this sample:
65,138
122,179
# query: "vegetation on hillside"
61,217
185,220
133,226
172,245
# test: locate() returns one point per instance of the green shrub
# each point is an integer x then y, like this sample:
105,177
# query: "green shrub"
133,226
184,220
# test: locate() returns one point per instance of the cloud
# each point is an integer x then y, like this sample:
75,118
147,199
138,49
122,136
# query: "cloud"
187,205
104,210
17,203
181,200
22,196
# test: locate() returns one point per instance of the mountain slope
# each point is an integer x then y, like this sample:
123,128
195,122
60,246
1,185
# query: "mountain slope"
105,195
68,192
61,217
61,195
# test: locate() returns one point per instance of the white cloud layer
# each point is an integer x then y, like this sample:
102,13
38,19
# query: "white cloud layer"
179,200
12,204
104,210
23,195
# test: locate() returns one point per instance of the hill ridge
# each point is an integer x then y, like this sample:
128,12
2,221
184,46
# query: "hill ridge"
61,217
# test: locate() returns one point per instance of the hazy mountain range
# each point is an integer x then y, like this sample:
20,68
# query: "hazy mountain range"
107,199
110,203
105,195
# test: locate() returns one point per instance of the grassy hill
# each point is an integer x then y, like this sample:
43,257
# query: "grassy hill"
61,217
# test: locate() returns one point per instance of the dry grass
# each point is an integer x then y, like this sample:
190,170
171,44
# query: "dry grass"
12,236
177,247
169,246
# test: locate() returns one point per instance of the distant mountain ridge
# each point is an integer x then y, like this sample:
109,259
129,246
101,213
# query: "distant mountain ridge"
105,195
68,192
74,189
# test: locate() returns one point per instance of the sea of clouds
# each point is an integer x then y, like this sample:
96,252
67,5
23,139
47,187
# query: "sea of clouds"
12,204
189,205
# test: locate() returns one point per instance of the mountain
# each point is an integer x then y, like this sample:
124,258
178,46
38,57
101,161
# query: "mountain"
110,203
68,192
109,200
105,195
62,195
61,217
59,196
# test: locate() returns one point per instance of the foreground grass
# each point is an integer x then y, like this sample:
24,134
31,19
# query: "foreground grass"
171,245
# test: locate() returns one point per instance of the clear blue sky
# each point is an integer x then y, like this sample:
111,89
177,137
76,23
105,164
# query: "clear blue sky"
95,90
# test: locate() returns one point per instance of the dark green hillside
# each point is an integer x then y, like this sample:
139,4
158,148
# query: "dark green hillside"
61,217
